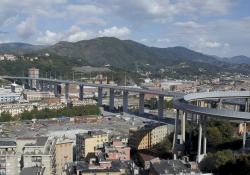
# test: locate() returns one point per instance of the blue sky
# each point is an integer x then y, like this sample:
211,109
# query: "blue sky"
216,27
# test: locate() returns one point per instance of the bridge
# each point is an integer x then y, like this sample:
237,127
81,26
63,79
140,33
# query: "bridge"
45,84
196,106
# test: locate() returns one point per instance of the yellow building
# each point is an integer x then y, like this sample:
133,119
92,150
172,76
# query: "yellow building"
147,136
64,154
88,142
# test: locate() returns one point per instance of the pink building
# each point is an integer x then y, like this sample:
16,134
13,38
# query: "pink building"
117,151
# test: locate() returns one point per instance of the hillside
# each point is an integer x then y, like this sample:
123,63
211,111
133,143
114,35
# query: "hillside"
122,56
125,53
19,48
241,59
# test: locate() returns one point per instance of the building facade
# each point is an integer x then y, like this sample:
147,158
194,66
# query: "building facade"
147,136
88,142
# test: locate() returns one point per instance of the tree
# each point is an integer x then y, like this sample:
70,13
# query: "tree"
5,117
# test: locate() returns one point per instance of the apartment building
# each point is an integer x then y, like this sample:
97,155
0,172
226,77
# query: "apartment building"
39,152
88,142
64,154
147,136
8,158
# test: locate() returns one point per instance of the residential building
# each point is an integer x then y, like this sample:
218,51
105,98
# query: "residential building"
36,95
64,154
147,136
89,142
172,167
40,152
8,157
6,96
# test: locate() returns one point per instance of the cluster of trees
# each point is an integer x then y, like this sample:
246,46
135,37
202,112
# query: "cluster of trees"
220,135
53,113
226,162
220,132
6,117
165,147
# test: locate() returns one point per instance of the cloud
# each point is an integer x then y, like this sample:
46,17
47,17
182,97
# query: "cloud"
84,9
73,34
114,31
92,21
26,28
163,11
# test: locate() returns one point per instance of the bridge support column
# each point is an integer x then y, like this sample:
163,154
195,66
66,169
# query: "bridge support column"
160,106
99,96
125,101
50,86
199,140
37,84
141,104
191,131
111,99
45,83
66,91
205,135
220,103
183,128
244,135
55,89
41,86
81,93
176,128
247,105
30,83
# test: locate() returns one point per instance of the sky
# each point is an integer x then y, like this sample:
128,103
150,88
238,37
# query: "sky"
215,27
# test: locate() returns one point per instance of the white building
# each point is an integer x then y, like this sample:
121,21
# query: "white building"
8,157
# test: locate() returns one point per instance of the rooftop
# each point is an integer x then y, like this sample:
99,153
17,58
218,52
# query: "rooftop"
32,171
7,143
170,166
40,141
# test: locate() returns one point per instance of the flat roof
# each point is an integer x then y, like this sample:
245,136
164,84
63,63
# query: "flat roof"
6,143
40,141
32,171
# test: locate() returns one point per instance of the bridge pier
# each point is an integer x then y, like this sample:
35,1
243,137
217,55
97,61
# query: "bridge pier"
45,83
199,141
125,101
247,105
41,86
99,96
111,99
183,128
30,83
50,86
160,106
244,136
141,104
37,84
81,92
55,89
205,135
66,91
176,128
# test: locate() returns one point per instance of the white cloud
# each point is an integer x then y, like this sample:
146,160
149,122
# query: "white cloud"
26,28
84,9
114,31
73,34
49,38
163,11
92,21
